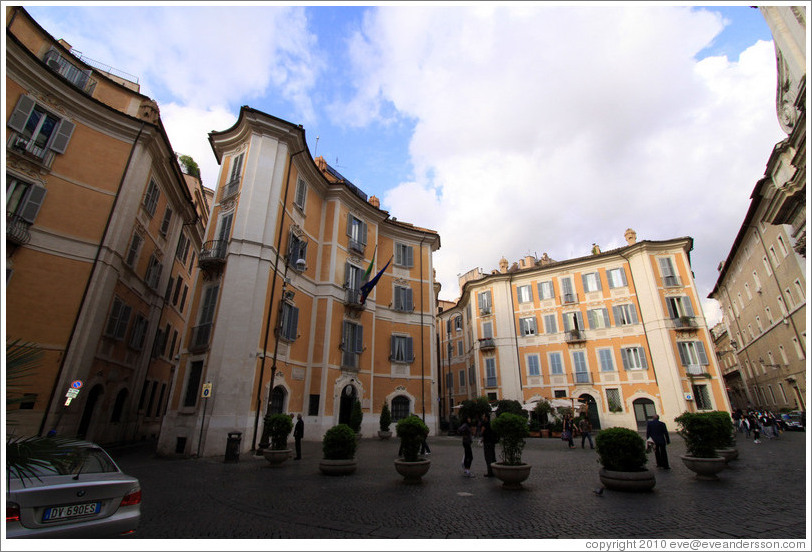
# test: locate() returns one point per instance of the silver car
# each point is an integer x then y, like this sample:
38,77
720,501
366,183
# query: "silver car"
79,492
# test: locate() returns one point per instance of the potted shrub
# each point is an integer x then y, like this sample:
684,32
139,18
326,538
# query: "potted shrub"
384,422
622,453
356,417
535,428
701,434
411,431
556,427
338,447
512,431
543,410
279,426
726,436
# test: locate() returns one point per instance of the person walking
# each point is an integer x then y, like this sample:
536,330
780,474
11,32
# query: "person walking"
657,432
424,444
467,437
489,440
756,427
298,433
566,433
586,432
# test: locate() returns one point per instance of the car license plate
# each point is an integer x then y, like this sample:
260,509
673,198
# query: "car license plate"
72,511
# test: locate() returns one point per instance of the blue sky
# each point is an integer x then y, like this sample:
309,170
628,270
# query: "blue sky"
511,130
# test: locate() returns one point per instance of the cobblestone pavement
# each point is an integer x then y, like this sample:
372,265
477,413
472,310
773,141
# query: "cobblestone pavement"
762,495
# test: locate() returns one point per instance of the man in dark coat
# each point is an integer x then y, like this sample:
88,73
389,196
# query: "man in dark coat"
658,433
298,433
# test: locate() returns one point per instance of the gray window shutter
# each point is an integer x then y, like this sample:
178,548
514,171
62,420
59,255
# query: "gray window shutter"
33,202
359,338
409,256
624,355
689,309
700,352
566,322
670,305
364,233
683,357
579,318
349,224
590,316
616,314
598,281
643,361
123,321
409,349
392,346
60,142
294,322
345,337
408,299
633,309
605,317
19,117
347,275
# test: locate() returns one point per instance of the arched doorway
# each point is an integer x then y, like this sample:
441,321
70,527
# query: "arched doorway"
278,400
348,397
643,411
592,410
87,414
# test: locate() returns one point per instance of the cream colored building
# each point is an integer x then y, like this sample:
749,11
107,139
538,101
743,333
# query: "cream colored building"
622,330
278,323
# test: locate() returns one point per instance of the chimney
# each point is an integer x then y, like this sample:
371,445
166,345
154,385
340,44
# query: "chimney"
631,236
375,202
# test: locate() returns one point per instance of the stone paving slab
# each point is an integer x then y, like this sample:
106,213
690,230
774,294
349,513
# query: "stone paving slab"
762,495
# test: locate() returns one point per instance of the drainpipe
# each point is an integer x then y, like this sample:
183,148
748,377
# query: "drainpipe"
422,331
263,443
61,371
515,335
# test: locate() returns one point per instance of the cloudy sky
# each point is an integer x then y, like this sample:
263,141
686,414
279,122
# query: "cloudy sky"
510,130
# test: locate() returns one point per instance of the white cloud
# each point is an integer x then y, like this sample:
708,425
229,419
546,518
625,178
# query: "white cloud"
188,129
548,129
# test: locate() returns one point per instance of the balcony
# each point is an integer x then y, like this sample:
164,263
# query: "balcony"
231,188
356,246
17,229
685,323
200,338
487,344
575,336
695,370
213,254
352,299
28,147
80,78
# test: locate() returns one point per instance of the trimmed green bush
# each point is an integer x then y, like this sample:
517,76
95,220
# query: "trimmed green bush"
356,417
386,418
621,449
512,431
508,405
279,426
701,432
474,408
339,443
725,431
411,431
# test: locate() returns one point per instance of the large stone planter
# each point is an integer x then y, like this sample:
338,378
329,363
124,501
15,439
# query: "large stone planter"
338,467
704,468
729,454
384,434
412,472
276,457
634,482
511,476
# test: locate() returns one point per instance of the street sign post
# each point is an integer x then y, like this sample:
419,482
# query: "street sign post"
205,393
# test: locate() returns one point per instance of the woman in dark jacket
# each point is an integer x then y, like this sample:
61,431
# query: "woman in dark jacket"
489,440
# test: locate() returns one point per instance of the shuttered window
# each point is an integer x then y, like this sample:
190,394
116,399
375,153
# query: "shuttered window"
403,299
23,199
288,328
634,358
118,320
39,130
404,255
401,349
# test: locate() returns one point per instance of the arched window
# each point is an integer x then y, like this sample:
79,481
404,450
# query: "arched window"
400,407
118,407
643,411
